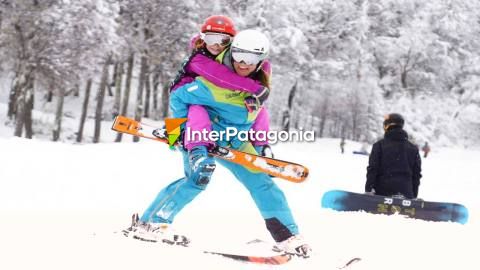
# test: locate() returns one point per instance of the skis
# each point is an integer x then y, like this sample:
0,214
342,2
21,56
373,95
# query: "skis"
142,232
154,234
286,170
269,260
279,258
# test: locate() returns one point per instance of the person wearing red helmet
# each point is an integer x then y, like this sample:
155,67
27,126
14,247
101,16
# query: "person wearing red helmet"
217,33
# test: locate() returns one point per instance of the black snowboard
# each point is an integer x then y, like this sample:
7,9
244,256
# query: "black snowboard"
433,211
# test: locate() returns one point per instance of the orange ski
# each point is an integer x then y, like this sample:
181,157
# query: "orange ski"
278,168
269,260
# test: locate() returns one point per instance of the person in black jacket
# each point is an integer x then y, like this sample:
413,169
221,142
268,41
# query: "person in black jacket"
394,166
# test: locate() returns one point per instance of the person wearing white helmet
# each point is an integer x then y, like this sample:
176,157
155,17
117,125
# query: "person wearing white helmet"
249,49
246,57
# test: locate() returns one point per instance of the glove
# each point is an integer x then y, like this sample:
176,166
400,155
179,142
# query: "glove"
264,150
254,102
262,96
251,103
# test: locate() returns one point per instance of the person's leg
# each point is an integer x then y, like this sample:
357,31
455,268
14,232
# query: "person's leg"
268,197
171,199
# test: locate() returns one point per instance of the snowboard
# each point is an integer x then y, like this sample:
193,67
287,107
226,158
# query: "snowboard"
286,170
418,209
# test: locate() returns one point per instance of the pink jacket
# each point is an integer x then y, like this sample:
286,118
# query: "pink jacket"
222,76
218,74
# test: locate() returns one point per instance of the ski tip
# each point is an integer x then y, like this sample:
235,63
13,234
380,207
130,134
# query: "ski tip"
255,241
114,124
350,262
121,123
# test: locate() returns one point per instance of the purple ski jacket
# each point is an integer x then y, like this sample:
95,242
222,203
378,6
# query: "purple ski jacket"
220,75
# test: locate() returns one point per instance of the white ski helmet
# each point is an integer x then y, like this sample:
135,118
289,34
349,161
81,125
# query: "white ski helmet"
252,41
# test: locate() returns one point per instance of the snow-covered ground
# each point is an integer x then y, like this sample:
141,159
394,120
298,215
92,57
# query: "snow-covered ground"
62,206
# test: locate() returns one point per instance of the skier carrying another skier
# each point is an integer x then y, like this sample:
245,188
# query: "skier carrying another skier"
216,35
394,166
246,57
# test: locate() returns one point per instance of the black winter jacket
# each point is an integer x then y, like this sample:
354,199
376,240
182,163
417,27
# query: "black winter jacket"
394,166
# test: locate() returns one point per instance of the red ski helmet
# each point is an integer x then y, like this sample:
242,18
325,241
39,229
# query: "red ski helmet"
219,24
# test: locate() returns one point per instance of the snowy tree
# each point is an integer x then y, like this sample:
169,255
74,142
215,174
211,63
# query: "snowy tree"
48,44
338,66
156,31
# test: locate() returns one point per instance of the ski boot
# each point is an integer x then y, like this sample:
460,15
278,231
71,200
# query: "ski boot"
154,232
295,245
201,164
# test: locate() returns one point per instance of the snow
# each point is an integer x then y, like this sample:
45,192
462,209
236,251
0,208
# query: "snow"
62,206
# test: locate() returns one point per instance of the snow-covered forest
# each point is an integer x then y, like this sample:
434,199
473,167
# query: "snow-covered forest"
338,66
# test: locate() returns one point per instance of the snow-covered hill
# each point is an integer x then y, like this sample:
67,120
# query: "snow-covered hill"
62,206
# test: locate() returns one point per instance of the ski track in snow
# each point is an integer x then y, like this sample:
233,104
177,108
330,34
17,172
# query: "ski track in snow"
63,205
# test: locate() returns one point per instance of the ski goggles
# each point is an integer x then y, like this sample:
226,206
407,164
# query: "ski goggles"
216,38
248,57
